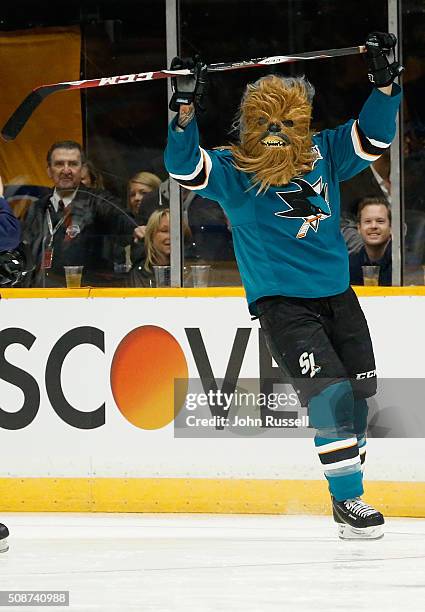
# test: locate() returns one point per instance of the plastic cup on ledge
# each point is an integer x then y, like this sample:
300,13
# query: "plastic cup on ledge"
200,275
162,276
73,276
370,276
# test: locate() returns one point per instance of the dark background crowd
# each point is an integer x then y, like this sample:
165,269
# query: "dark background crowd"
79,223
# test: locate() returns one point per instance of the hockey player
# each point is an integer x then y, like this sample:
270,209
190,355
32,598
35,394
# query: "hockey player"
10,233
279,186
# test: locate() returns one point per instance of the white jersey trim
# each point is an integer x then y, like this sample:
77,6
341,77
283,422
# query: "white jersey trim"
360,152
337,445
329,467
206,165
192,175
378,143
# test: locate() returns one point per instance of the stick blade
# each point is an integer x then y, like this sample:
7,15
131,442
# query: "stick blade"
20,116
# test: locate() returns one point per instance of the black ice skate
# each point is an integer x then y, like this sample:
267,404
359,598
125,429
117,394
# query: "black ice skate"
357,520
4,534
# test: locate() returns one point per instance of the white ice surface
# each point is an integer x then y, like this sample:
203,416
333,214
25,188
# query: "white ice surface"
182,563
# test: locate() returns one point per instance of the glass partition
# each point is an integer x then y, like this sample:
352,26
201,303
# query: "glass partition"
413,21
248,30
90,203
122,129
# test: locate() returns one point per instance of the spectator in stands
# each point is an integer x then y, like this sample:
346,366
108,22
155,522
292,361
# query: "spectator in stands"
74,225
155,248
374,181
91,176
374,227
138,186
205,218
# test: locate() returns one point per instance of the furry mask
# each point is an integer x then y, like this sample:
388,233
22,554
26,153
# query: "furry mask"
274,130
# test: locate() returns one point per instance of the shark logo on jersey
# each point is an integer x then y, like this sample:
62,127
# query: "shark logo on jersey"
307,202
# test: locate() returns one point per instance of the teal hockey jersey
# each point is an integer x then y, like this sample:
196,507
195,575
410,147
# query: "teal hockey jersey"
287,240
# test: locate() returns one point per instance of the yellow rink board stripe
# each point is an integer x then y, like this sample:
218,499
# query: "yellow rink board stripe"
116,292
197,495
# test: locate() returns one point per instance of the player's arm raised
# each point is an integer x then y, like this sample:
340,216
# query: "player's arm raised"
192,166
356,144
376,126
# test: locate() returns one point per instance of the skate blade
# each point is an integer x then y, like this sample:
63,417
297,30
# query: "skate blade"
347,532
4,545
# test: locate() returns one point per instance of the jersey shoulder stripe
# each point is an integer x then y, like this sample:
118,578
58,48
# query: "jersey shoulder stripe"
198,179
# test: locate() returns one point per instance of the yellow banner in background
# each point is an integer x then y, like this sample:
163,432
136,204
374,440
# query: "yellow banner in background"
29,58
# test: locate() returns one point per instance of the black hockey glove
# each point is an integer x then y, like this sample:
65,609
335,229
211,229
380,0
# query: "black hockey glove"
188,89
379,47
14,265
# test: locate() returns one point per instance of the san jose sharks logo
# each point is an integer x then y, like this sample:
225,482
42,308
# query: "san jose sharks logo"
307,202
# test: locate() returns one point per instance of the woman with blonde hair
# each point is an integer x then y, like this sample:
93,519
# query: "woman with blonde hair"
140,184
157,240
156,248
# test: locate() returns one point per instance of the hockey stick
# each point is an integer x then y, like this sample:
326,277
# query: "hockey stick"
24,111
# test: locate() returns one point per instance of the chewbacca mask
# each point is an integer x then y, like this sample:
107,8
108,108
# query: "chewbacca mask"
274,130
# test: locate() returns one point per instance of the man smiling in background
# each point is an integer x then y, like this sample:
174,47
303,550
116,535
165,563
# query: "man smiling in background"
374,226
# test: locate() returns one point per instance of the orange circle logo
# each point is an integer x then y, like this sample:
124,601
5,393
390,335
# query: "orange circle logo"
145,365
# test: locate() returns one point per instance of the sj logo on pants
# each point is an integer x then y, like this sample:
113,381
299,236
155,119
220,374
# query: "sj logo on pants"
307,364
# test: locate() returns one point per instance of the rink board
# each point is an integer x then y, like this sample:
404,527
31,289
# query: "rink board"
68,432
